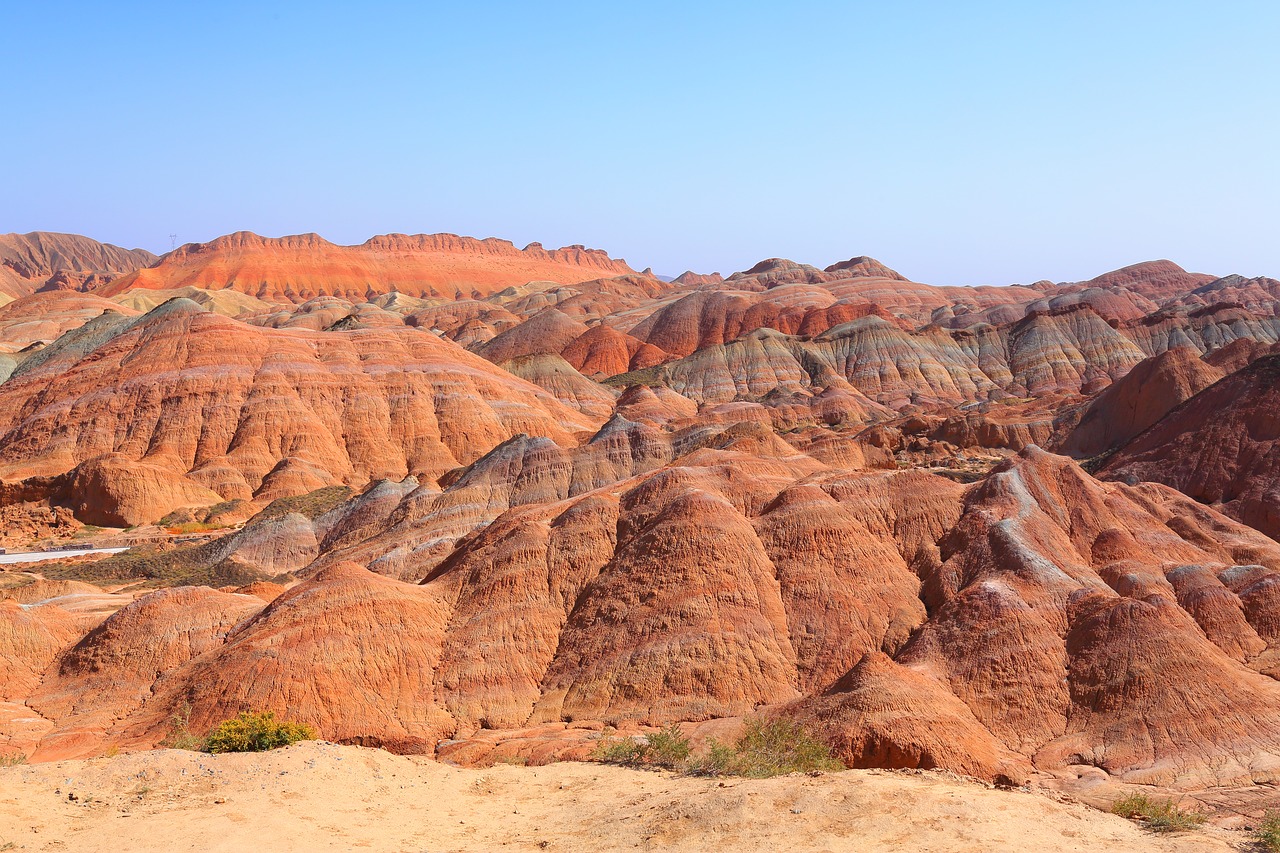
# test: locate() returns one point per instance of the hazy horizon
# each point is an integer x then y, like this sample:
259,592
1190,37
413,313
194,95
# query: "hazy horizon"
992,144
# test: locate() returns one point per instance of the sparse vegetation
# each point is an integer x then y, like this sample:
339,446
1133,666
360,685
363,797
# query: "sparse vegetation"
160,566
189,527
178,516
765,748
1267,832
256,732
1157,815
512,760
180,736
668,748
627,752
312,505
212,513
1094,463
16,759
768,748
169,564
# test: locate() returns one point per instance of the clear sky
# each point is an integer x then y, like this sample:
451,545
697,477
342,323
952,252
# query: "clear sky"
958,142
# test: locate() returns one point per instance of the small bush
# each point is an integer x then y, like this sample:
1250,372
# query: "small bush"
180,736
256,732
1157,816
768,748
668,748
1267,832
627,752
16,759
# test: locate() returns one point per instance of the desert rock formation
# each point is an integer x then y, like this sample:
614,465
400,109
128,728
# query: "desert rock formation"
477,502
298,268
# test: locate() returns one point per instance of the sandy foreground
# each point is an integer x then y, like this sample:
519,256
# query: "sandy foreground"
319,796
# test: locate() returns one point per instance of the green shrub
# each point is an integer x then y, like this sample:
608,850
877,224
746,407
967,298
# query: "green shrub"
627,752
668,748
16,759
1158,816
768,748
765,748
256,732
1267,832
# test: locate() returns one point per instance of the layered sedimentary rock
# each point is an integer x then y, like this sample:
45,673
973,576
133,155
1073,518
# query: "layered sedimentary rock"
298,268
1221,447
202,402
30,640
369,646
602,352
110,673
1023,625
44,260
1139,399
720,529
41,318
545,333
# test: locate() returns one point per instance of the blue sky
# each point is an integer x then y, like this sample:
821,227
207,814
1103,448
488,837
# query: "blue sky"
961,143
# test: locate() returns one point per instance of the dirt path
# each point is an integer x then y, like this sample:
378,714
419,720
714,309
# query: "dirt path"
318,796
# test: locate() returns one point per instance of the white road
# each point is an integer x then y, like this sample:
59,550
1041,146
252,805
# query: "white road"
41,556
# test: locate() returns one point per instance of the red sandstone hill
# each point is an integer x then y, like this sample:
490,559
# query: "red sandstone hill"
1158,279
183,407
1221,446
1036,624
30,262
298,268
1139,399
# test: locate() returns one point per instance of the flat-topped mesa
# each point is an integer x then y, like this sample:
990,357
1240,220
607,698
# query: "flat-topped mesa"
302,266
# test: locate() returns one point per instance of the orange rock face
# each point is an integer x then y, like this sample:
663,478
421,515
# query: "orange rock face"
110,673
42,318
369,647
1221,446
1139,399
298,268
183,407
916,622
30,262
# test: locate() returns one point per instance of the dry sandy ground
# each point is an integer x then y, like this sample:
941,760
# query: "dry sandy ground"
319,796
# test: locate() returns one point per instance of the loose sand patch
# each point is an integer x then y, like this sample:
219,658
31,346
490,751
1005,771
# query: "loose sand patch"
318,796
